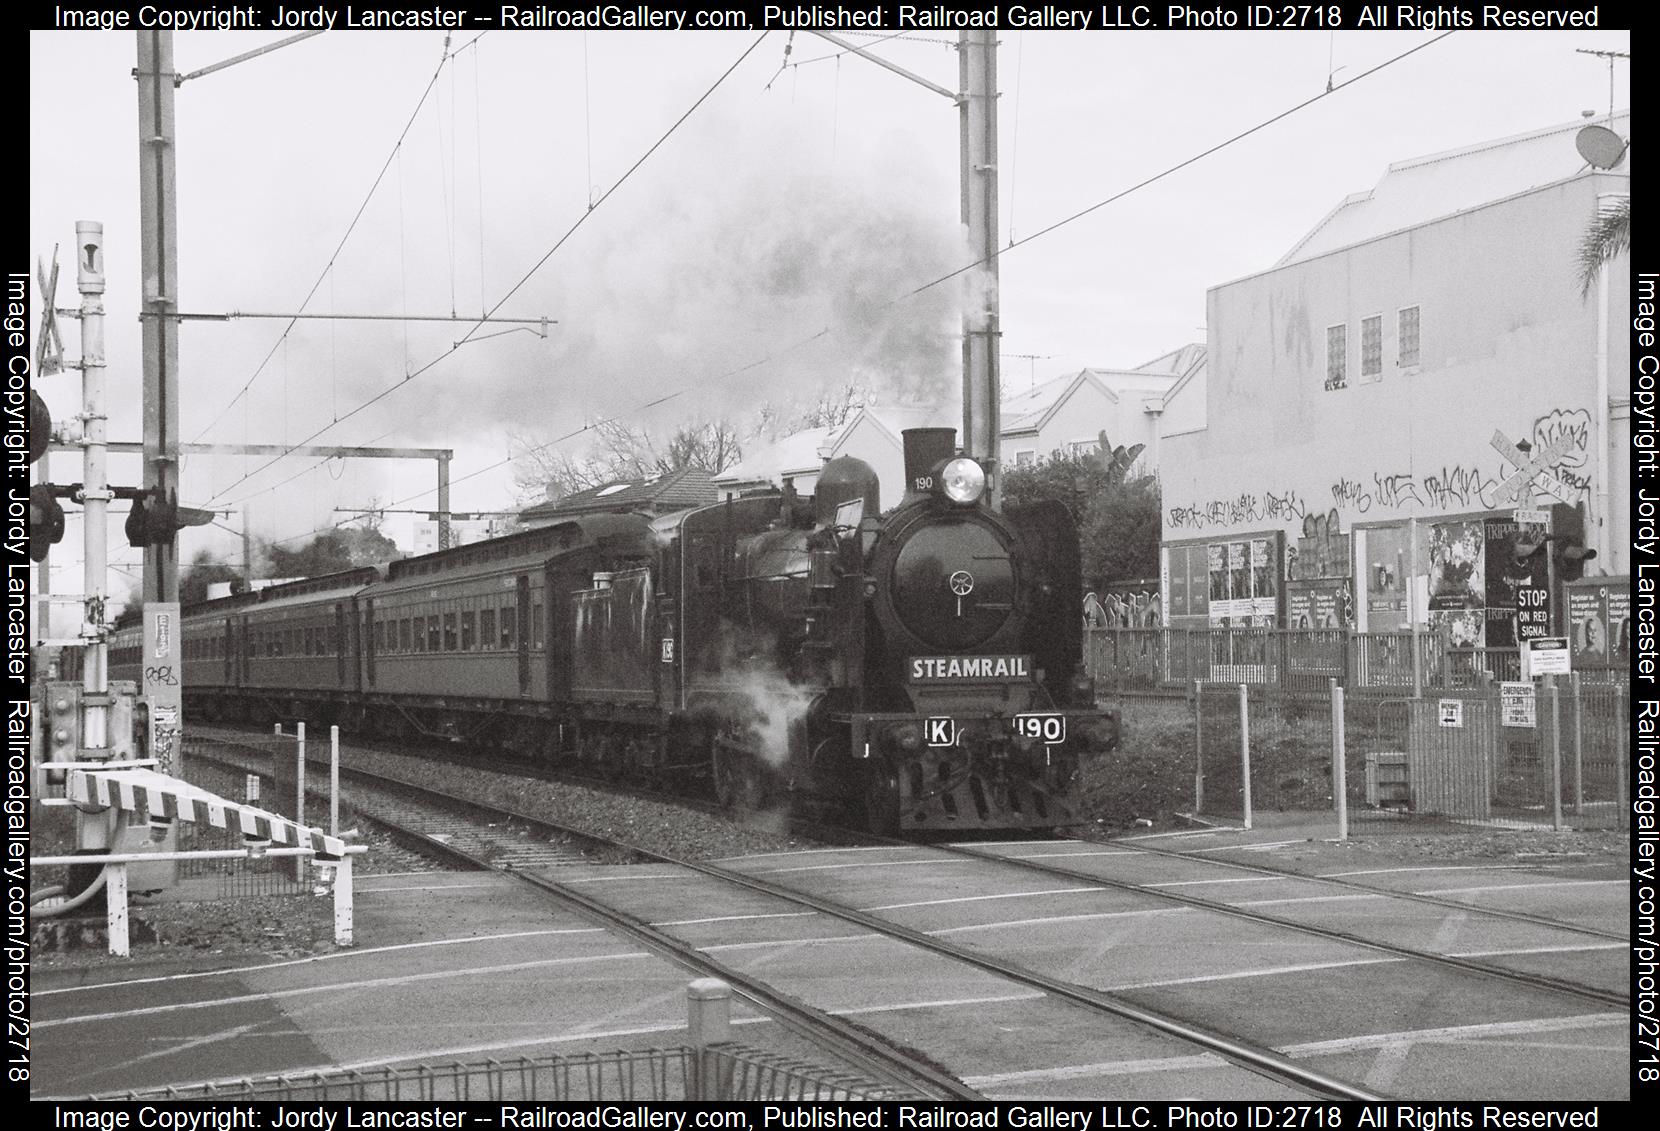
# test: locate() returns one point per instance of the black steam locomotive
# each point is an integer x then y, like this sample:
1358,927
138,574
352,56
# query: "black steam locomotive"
923,665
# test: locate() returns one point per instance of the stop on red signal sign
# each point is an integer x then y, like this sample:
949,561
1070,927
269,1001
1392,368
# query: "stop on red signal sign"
1532,612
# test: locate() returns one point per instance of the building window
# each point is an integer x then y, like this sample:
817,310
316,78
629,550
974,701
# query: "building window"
1337,356
1082,447
1371,349
1026,458
1408,339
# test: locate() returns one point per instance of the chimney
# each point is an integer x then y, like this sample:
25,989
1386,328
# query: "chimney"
925,447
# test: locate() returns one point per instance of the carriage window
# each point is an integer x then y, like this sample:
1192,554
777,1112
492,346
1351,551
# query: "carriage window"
420,634
403,635
536,625
487,629
509,626
380,636
449,632
432,633
334,639
467,640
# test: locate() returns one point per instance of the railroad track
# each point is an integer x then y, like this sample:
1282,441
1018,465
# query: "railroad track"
1192,1030
851,1041
474,836
1263,869
1572,989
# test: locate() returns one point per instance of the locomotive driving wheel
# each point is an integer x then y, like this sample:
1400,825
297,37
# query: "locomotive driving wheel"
740,784
882,797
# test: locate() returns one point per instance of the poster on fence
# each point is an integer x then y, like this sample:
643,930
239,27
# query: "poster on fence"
1508,577
1319,604
1599,622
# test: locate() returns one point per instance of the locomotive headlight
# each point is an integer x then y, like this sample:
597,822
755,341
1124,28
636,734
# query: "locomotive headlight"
962,480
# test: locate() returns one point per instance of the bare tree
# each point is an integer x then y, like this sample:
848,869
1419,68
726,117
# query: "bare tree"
618,451
833,407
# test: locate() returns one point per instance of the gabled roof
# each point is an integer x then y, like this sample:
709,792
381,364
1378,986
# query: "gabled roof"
1177,363
691,487
1421,189
1028,411
1031,410
799,453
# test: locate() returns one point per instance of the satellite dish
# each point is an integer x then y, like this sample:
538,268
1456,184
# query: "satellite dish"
1600,146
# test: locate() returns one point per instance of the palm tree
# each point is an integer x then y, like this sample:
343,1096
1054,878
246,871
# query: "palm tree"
1608,236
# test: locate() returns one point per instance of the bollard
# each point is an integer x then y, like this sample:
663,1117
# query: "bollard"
115,896
334,781
708,1023
342,901
1198,747
1555,752
1339,762
1245,748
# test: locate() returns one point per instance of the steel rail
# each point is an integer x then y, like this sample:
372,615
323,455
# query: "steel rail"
843,1038
1330,934
1257,1059
1378,889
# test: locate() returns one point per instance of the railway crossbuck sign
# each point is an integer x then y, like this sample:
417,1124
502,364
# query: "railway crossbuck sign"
1532,467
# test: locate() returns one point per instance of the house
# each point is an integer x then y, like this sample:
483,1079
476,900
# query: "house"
1069,413
664,494
873,433
1389,408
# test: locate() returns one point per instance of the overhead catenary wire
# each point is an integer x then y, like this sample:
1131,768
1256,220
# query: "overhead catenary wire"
397,148
807,340
514,289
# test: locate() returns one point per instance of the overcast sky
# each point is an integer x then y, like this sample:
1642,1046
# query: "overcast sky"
794,200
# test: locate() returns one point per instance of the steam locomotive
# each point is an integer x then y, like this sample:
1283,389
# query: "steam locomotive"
923,665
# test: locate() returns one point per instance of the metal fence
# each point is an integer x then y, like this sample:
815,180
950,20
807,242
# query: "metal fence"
1495,755
259,876
1146,659
719,1072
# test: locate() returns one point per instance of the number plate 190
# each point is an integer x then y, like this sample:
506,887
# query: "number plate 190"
1050,729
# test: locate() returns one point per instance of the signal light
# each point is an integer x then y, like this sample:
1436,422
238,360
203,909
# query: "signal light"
45,521
40,426
1570,560
156,518
1568,549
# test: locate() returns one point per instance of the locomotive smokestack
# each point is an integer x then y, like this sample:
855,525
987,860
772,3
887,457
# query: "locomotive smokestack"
925,447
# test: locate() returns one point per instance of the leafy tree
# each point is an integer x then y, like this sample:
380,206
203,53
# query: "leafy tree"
329,552
206,569
1608,236
1117,512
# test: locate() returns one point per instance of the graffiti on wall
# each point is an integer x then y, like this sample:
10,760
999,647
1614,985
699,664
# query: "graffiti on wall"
1241,510
1450,487
1131,610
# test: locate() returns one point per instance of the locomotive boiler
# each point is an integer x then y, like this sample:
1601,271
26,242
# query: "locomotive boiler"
920,666
923,664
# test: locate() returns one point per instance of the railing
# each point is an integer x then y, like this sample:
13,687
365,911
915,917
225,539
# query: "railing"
1170,659
709,1067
